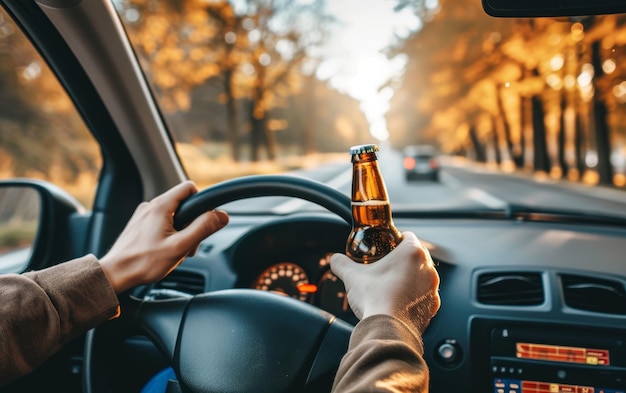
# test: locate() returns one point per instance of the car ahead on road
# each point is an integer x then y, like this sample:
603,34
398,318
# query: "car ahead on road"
420,162
121,100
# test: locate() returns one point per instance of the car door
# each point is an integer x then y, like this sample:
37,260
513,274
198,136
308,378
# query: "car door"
66,175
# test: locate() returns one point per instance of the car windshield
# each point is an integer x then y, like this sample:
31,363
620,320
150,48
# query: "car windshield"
524,114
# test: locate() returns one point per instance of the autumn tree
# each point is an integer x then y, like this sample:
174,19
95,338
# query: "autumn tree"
256,47
528,93
230,41
435,101
282,35
35,107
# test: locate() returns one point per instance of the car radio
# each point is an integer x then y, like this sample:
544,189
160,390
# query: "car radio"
547,359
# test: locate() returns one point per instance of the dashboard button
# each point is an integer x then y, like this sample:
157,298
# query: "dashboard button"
449,353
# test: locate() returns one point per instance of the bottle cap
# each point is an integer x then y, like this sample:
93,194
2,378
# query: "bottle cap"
361,149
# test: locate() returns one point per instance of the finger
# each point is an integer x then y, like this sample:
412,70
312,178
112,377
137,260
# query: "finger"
409,238
340,265
200,228
175,195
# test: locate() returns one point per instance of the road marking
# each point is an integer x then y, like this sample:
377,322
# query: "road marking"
449,180
292,205
476,194
486,199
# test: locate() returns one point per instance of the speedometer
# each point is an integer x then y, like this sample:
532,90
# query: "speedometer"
285,278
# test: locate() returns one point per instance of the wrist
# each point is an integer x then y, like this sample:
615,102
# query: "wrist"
117,277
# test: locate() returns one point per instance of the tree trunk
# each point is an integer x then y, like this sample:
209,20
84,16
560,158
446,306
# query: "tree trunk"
505,129
561,138
232,122
260,136
479,150
269,138
600,112
579,145
496,140
527,133
256,136
541,161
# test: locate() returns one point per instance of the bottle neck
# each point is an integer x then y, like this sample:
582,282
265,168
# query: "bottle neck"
367,181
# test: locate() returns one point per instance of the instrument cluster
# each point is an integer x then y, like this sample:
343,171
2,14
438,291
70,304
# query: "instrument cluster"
322,288
291,257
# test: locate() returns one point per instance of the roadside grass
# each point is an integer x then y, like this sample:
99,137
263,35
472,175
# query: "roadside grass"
205,164
14,235
210,164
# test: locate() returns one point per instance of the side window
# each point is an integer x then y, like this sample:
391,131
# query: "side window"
41,134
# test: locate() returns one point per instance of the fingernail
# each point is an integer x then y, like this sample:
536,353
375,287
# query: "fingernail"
222,217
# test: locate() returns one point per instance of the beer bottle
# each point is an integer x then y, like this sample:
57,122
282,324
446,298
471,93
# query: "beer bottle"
373,233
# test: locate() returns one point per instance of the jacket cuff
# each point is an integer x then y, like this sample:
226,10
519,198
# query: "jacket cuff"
81,293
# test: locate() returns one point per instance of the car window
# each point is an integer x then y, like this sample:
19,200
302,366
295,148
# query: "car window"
41,134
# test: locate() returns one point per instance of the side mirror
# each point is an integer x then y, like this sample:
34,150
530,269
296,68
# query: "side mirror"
36,225
20,215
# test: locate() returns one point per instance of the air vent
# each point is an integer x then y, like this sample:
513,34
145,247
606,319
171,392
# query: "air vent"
183,281
594,294
510,289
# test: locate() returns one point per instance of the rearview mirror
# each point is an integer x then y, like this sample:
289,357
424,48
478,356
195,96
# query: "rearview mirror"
538,8
20,214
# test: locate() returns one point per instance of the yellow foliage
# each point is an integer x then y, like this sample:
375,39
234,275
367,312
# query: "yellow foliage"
182,99
277,124
345,128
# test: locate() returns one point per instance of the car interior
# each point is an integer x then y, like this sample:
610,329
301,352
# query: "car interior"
533,300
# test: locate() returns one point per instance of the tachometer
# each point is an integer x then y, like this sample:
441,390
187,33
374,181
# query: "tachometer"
285,278
331,296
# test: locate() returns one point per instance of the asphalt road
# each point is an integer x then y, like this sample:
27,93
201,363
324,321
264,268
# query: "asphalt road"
462,186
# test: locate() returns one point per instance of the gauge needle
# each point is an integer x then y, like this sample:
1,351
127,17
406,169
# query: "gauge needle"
307,288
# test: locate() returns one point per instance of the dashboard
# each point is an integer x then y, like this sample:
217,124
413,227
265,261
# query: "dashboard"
505,285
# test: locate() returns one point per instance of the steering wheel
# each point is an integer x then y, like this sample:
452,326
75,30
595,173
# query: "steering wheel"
239,340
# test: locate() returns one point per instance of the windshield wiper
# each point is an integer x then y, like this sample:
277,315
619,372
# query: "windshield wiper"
520,213
540,214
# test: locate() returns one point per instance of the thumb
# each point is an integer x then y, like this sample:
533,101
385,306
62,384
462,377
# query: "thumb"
341,265
200,228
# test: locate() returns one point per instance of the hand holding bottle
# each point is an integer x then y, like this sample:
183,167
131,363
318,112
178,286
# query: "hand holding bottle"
403,284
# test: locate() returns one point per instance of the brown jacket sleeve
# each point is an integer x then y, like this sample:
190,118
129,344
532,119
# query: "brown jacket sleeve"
384,355
41,311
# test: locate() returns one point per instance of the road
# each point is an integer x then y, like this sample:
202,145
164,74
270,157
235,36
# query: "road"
15,260
462,186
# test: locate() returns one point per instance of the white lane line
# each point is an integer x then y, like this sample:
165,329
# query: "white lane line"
294,204
486,199
449,180
476,194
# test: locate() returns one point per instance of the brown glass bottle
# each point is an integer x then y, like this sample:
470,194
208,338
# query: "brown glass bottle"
373,232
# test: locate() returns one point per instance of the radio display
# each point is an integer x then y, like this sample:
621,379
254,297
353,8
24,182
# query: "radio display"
564,354
518,386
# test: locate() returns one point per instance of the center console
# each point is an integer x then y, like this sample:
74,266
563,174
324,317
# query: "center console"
533,358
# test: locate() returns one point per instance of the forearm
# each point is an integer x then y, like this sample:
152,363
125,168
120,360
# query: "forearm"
42,311
384,355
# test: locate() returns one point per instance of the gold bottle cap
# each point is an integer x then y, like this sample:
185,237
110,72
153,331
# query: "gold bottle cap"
362,149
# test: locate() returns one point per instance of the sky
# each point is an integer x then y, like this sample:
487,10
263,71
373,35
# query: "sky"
354,61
